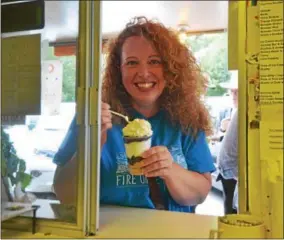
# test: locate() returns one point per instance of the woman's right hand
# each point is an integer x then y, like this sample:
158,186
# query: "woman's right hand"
105,122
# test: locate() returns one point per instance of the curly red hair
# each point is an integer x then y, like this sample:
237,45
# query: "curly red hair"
185,83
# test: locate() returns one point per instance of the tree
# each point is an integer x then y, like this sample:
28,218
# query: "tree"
69,75
211,53
69,78
198,42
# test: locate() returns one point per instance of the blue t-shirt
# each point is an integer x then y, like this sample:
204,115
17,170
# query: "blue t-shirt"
119,187
68,146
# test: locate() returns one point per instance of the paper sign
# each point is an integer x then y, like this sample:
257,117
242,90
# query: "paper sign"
271,149
21,76
271,57
52,74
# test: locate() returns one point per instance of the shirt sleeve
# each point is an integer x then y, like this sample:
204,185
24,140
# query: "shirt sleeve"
229,173
197,154
69,145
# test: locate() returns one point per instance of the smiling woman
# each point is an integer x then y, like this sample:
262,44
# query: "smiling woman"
150,75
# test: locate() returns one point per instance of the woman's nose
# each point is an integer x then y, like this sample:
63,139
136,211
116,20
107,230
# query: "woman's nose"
143,71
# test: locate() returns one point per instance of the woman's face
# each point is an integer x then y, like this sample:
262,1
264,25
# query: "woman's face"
142,71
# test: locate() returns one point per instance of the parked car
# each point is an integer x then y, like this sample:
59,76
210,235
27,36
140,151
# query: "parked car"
48,141
31,121
49,134
47,138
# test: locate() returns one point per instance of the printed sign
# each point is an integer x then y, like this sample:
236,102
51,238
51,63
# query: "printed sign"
52,74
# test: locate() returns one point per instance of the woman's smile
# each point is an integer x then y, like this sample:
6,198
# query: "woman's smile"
145,86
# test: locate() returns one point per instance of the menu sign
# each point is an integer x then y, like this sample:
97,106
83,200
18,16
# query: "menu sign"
271,54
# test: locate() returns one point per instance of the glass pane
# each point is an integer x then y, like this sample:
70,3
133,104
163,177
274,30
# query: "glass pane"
32,148
210,51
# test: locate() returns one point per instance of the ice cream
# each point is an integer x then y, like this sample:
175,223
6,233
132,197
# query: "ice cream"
137,139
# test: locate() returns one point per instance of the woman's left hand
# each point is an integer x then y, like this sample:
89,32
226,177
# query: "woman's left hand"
157,162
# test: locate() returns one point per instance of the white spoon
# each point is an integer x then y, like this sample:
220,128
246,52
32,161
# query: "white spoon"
120,115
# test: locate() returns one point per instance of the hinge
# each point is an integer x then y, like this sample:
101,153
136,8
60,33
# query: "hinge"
80,106
93,96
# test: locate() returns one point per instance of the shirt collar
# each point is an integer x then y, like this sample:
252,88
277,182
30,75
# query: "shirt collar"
158,115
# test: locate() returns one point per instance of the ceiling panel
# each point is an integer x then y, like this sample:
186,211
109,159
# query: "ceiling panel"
62,16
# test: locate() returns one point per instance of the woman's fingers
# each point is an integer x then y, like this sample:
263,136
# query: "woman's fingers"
157,161
161,172
156,166
105,117
105,113
106,127
105,106
105,121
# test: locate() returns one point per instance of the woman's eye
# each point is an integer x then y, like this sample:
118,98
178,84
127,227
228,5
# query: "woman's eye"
132,63
155,61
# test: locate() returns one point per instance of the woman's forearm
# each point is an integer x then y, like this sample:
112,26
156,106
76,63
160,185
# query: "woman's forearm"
65,182
186,187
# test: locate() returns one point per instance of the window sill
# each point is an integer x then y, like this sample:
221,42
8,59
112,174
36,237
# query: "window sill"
124,222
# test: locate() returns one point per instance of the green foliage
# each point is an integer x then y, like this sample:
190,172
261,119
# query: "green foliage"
69,78
199,42
24,178
11,165
211,52
69,75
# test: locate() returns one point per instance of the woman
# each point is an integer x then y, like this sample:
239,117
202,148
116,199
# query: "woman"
149,74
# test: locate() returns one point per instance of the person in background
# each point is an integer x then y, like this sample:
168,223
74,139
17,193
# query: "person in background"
226,114
228,165
149,74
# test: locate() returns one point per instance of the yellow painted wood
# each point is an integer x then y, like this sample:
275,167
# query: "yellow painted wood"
242,108
82,63
233,35
95,99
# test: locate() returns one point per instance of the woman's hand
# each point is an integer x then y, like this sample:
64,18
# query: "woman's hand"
105,122
157,162
186,187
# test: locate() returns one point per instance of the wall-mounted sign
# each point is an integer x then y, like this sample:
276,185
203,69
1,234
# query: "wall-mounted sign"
52,74
21,77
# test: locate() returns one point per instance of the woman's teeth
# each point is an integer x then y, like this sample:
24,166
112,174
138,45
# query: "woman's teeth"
145,85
